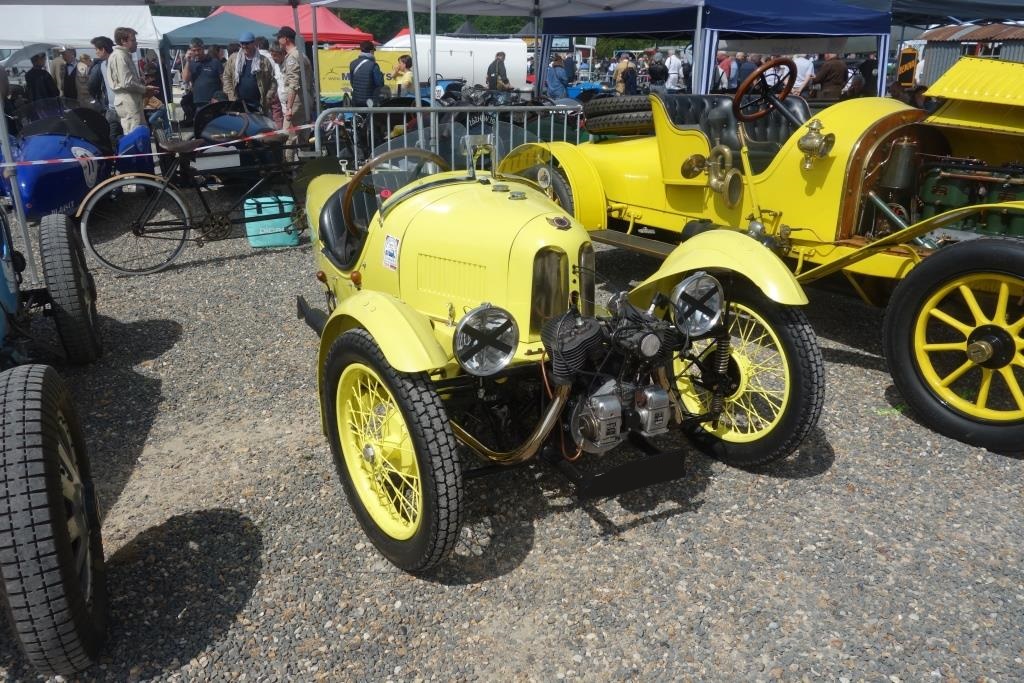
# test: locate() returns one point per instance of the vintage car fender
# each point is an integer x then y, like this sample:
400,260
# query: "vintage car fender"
724,250
587,189
405,337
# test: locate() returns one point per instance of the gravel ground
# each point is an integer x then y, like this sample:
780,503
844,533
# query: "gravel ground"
881,551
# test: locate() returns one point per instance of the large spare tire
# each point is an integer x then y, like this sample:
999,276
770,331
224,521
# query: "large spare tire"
626,104
630,123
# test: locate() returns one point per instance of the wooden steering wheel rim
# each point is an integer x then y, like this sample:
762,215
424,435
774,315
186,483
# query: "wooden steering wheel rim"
348,199
748,84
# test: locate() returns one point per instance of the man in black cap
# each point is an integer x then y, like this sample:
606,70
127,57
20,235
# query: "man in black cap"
364,75
297,73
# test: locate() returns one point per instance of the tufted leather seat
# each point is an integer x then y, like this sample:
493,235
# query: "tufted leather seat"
713,115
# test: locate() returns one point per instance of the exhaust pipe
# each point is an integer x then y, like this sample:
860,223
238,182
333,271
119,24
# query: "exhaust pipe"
531,445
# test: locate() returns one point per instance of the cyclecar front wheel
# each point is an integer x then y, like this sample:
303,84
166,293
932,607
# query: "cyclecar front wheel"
394,451
954,342
776,383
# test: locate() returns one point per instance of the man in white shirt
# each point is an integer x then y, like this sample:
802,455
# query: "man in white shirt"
675,67
804,73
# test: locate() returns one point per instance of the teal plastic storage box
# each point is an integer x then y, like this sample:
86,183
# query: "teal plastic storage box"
276,230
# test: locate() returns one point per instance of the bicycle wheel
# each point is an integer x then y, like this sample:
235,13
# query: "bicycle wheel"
134,229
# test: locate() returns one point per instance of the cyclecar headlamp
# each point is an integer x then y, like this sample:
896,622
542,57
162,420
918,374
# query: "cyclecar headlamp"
486,340
698,303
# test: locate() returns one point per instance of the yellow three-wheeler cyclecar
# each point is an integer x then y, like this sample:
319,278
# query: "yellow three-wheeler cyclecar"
461,310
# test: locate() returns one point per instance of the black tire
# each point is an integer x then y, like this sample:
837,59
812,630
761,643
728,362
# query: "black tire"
953,410
53,571
802,385
72,289
626,104
125,237
438,469
632,123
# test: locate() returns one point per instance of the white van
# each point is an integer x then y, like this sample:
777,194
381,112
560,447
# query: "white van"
468,57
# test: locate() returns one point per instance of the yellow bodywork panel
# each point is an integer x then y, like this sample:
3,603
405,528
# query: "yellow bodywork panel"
723,250
589,204
405,336
975,79
677,144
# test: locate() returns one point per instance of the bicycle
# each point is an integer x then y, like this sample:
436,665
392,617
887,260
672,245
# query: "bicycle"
137,223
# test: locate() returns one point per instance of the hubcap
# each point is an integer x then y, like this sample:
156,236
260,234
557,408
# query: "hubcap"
73,491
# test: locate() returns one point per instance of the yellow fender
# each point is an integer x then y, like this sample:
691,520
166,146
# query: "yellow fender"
587,189
405,337
724,250
115,178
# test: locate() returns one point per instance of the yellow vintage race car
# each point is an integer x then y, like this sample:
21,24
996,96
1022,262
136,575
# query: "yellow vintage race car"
461,321
921,212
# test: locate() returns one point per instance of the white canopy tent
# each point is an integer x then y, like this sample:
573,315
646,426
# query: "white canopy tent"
74,26
168,24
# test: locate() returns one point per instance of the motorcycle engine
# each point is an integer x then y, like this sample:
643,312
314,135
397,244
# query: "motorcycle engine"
597,419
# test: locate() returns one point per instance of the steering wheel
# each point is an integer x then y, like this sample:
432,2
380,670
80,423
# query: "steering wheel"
360,182
764,92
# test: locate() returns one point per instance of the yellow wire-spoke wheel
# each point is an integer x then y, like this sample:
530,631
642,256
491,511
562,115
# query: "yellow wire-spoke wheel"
379,452
394,451
759,374
775,382
969,345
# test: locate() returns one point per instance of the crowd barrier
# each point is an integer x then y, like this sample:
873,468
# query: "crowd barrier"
355,134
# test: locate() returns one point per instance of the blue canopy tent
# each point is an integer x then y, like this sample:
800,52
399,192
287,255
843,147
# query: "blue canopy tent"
925,12
220,29
711,19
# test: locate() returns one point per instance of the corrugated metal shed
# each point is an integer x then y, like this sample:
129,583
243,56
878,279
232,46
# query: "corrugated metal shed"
945,45
986,33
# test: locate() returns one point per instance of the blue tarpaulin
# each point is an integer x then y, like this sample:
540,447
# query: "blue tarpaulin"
800,17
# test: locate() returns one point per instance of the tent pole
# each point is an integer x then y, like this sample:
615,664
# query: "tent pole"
414,52
433,72
11,173
697,66
316,66
168,94
303,78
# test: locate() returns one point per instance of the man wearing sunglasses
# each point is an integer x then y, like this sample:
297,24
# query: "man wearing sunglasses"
249,76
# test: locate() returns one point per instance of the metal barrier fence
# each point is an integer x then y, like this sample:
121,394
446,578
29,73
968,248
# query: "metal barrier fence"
360,133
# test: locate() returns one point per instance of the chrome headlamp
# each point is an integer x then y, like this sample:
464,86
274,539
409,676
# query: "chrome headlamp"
485,340
698,302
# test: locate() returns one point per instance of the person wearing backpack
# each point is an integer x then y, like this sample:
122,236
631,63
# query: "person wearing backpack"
625,65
